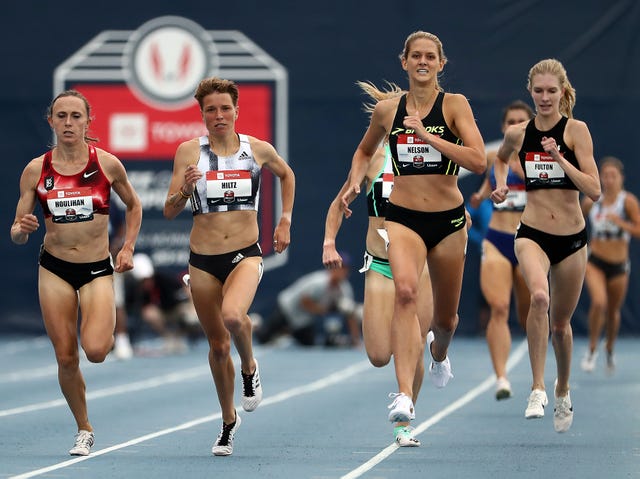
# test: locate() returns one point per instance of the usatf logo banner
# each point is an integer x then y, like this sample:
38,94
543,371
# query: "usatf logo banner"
140,85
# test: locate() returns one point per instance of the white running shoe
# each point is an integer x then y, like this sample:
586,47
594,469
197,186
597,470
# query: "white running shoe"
503,389
430,338
122,347
404,436
251,389
562,413
588,362
82,446
224,443
401,408
537,401
439,371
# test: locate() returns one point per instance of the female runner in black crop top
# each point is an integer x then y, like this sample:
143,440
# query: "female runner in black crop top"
556,153
379,290
426,217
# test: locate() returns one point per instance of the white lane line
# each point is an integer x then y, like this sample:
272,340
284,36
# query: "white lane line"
514,359
19,345
28,374
52,369
157,381
46,371
322,383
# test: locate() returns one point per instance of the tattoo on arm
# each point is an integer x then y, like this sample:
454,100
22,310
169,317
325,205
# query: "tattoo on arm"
175,199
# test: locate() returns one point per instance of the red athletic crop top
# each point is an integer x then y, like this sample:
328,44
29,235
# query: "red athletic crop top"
74,198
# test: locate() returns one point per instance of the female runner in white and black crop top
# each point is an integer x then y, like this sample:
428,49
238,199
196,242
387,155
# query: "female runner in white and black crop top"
613,220
219,173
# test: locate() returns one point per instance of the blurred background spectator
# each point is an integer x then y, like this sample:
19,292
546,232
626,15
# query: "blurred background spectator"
161,301
317,309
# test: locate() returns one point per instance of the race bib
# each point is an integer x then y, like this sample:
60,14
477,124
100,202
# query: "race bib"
415,152
229,186
542,168
516,199
387,184
71,205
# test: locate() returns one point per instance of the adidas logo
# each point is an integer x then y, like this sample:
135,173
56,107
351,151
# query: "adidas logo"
244,156
238,258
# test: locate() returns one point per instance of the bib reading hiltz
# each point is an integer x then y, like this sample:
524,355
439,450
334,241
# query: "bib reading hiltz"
228,187
229,183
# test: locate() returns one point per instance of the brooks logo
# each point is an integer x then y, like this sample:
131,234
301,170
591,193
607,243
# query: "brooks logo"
239,257
458,221
87,175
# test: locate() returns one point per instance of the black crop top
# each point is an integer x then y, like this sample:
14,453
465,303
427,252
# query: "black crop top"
540,169
411,155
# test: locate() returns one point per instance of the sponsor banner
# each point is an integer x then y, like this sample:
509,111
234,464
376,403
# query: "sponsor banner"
140,85
132,129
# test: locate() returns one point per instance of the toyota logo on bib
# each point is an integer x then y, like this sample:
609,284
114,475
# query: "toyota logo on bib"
166,58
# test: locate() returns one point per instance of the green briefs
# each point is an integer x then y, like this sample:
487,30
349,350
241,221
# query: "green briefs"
379,265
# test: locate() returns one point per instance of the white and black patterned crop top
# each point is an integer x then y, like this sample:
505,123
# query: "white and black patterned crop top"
601,227
229,183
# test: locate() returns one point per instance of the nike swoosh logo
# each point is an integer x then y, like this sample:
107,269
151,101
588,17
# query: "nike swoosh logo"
87,175
99,271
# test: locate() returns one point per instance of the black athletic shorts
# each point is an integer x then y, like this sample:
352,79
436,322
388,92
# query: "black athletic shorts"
432,227
557,247
76,274
221,265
